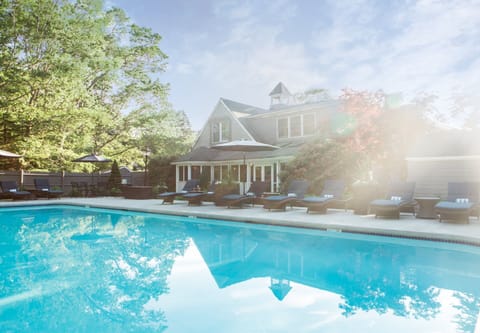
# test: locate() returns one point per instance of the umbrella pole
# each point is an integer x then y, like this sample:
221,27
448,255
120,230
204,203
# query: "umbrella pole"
245,169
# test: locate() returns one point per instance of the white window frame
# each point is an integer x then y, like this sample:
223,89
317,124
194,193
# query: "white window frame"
220,124
289,126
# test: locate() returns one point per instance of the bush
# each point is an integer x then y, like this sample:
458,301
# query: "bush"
321,160
115,180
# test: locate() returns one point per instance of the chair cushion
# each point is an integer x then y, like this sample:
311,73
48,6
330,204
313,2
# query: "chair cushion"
454,206
278,198
316,199
387,203
232,196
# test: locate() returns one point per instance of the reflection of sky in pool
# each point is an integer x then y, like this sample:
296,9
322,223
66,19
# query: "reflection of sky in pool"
67,269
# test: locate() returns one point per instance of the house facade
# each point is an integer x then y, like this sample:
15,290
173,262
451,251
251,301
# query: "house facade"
442,157
287,124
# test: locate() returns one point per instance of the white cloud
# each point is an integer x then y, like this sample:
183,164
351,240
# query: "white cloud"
252,57
410,46
424,46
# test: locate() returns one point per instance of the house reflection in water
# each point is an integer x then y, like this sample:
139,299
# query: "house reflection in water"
369,273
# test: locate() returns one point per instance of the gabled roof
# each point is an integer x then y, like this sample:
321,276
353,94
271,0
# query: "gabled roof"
279,89
243,108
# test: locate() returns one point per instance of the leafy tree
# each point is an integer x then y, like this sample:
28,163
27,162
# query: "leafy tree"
75,78
320,160
367,134
115,180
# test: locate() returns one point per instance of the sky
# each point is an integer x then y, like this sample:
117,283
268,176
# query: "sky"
240,50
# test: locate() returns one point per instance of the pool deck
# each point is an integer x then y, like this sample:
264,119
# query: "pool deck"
334,220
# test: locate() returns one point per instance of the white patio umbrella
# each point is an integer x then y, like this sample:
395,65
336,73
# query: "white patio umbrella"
244,146
7,154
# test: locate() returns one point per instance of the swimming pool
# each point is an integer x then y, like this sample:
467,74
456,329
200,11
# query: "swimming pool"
74,269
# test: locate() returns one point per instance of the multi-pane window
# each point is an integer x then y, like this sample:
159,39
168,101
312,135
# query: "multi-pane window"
282,125
183,173
220,131
296,126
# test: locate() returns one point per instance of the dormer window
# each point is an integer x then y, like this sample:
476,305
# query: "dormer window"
221,131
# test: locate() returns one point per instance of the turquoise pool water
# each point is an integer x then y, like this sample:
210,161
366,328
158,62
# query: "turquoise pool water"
72,269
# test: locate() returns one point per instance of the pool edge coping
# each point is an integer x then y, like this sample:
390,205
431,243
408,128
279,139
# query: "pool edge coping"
338,227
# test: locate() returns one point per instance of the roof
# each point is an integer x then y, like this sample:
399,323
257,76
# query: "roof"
447,143
210,154
243,108
279,89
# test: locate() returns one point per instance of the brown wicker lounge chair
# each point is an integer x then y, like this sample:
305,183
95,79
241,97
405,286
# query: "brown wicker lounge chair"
332,194
43,189
237,200
462,202
296,191
399,198
196,198
189,186
11,190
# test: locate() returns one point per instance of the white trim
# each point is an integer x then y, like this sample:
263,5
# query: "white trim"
289,125
278,159
444,158
206,124
309,107
220,123
250,137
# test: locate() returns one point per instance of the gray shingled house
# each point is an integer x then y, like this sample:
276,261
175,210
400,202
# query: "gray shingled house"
286,124
442,157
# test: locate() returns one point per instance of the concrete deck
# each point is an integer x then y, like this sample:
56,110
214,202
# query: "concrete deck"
338,220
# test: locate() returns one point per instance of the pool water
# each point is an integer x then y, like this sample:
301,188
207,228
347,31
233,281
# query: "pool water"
73,269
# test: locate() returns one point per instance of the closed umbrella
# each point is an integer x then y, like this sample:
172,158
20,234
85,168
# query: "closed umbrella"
244,146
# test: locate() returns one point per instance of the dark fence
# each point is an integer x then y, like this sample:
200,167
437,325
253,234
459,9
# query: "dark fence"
69,182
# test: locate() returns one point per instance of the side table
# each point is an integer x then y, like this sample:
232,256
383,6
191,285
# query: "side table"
426,207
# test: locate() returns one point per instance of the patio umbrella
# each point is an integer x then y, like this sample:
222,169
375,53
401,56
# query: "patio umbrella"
92,158
244,146
7,154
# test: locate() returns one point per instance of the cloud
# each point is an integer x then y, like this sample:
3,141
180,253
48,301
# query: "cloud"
427,46
252,56
401,46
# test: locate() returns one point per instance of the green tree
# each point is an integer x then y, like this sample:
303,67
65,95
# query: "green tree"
75,78
115,180
367,134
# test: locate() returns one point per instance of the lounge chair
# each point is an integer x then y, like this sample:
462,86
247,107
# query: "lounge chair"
168,197
399,198
332,194
237,200
461,203
295,192
43,189
196,198
11,190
